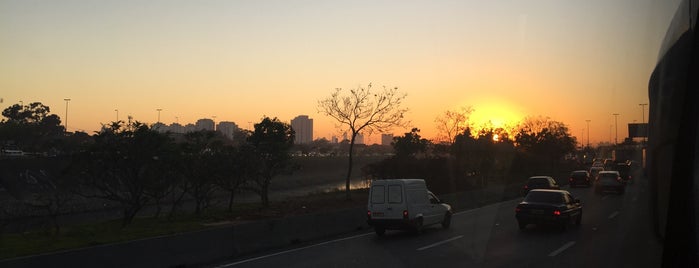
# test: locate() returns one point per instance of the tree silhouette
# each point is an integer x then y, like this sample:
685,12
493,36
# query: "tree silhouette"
272,140
361,110
453,123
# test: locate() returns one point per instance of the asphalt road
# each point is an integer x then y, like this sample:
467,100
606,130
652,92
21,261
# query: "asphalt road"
615,232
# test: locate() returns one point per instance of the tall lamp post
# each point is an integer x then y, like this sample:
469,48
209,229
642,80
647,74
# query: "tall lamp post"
158,114
616,130
67,100
588,132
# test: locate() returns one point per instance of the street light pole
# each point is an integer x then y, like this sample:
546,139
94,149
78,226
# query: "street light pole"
643,112
117,113
67,100
588,132
158,114
616,129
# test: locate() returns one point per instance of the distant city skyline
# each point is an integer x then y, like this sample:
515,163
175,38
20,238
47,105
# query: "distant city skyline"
240,61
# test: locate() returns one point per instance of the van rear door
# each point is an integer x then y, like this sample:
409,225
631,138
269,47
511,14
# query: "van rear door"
387,201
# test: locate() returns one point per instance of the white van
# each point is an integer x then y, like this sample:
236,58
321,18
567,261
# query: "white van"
404,204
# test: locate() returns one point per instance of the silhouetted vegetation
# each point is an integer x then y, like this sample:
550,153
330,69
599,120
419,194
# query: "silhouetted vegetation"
363,111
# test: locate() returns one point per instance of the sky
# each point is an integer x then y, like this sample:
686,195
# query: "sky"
239,61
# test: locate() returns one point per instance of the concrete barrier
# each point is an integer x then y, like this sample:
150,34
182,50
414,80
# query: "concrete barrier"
217,244
204,246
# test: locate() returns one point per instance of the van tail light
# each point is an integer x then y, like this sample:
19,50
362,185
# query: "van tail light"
368,214
557,213
405,214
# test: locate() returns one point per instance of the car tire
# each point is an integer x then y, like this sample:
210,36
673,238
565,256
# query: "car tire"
418,225
446,222
579,219
522,225
380,231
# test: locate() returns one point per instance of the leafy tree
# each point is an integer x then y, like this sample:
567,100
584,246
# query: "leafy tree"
410,144
272,140
544,138
452,123
362,110
122,164
201,164
239,166
31,126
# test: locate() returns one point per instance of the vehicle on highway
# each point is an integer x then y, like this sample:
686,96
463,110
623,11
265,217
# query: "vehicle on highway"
539,182
405,204
548,207
595,170
580,177
624,170
607,181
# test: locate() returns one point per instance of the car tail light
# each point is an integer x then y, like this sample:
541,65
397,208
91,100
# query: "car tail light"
518,209
526,187
557,212
405,214
368,214
570,179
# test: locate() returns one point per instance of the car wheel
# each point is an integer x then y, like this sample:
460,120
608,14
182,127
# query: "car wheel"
446,222
380,231
579,219
522,225
418,225
563,226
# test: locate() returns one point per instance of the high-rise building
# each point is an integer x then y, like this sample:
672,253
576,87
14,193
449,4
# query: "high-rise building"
359,139
303,126
205,124
386,139
227,128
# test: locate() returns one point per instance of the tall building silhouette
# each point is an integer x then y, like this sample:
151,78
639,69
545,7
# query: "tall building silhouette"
386,139
205,124
303,126
227,128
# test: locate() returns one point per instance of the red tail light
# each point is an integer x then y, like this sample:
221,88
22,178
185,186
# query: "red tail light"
526,187
557,212
518,209
405,214
570,179
368,214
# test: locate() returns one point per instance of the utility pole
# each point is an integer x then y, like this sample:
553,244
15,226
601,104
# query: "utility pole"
588,132
67,100
616,129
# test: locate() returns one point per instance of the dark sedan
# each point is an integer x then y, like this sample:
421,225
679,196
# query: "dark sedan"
539,182
580,177
548,207
607,181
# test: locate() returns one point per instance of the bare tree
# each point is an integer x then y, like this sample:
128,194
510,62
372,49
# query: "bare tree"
452,123
362,110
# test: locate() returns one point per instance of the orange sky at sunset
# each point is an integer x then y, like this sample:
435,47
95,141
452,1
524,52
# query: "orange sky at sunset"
241,60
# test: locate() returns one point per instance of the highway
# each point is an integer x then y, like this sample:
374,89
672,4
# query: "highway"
615,232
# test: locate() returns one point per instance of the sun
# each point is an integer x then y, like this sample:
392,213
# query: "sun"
496,137
494,115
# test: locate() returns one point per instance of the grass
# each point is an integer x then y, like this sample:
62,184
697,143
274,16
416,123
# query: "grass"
100,233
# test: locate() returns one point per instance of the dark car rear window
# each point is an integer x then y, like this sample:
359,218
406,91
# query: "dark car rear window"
579,174
607,177
538,182
544,197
